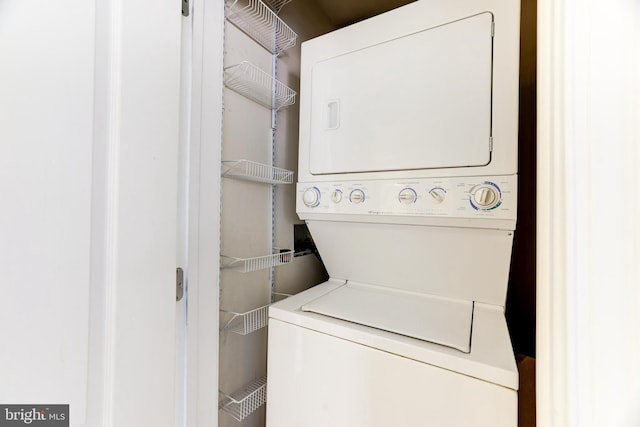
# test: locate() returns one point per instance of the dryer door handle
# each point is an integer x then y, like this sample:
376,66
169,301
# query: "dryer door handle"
332,120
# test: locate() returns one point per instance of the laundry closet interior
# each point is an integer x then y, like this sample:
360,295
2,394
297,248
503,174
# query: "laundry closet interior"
266,252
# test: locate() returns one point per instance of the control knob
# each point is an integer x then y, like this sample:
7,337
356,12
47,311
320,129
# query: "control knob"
485,196
356,196
437,195
311,197
407,196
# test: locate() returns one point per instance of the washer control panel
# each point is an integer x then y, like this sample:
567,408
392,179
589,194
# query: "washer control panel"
459,197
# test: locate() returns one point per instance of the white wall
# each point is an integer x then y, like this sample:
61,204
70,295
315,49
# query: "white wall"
46,126
88,171
588,213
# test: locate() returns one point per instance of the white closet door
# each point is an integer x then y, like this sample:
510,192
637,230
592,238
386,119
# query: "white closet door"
89,99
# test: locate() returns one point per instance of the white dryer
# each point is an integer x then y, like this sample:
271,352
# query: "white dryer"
407,181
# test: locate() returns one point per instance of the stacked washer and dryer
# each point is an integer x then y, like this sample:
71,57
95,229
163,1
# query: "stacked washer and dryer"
407,182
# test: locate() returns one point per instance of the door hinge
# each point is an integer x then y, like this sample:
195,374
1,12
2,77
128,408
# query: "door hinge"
179,283
185,7
490,144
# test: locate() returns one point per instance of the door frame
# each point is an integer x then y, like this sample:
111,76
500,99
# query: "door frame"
588,209
204,212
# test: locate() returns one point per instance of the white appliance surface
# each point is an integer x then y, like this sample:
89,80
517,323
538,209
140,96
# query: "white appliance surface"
407,182
429,93
463,264
429,318
490,358
320,380
413,93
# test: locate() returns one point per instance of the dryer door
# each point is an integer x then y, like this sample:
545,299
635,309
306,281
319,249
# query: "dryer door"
417,102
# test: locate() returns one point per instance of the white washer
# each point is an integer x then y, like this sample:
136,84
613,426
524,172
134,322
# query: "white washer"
328,372
407,181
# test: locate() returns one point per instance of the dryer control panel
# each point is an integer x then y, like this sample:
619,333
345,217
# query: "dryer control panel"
454,197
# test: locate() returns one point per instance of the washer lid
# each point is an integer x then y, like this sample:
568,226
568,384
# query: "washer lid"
429,318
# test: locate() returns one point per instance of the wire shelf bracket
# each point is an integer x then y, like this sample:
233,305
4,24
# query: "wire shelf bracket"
261,23
244,402
256,172
279,296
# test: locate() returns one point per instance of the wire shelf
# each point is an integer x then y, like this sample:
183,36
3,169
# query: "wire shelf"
252,320
277,4
257,172
245,323
245,265
253,83
244,402
261,23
